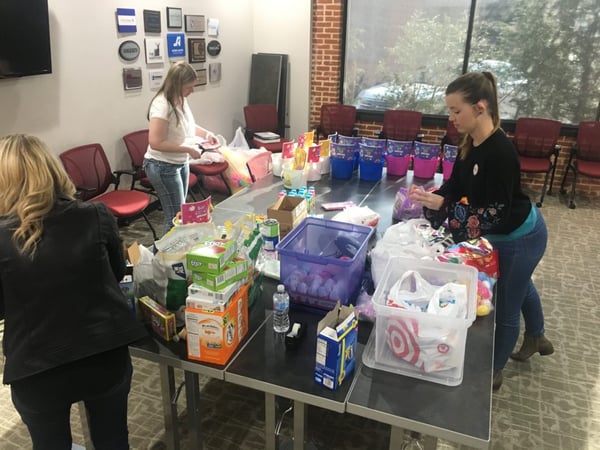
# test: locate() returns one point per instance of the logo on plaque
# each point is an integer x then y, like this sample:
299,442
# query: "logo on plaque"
213,48
129,50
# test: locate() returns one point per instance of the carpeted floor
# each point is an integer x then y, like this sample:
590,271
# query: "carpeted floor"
545,403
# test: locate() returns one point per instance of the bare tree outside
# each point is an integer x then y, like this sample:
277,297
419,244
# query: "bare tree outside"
546,55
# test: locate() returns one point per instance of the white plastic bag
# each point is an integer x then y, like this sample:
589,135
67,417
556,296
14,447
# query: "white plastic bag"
411,292
239,140
359,215
402,239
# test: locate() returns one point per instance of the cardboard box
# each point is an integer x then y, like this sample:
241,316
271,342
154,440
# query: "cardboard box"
237,269
213,336
337,333
289,212
162,320
211,255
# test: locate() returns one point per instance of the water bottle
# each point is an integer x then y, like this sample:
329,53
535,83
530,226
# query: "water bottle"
281,307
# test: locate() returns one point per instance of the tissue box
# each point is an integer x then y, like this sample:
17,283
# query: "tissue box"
337,333
211,255
213,336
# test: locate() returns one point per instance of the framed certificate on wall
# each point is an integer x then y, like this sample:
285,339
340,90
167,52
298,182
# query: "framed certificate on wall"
196,50
174,17
194,23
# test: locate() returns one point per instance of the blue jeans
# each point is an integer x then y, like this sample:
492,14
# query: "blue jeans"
44,403
170,181
516,292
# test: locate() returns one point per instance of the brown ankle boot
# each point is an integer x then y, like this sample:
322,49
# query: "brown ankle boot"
531,345
498,379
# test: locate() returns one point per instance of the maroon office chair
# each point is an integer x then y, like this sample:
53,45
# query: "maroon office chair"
260,165
136,144
339,119
261,118
401,125
584,158
90,171
212,177
536,141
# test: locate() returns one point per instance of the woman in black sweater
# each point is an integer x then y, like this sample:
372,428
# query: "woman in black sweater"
483,197
67,324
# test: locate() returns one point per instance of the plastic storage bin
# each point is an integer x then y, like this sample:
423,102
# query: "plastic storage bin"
419,344
322,261
369,170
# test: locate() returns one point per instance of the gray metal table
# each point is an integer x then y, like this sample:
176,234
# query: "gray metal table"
460,414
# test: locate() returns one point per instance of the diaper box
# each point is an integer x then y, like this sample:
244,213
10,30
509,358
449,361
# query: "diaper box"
337,334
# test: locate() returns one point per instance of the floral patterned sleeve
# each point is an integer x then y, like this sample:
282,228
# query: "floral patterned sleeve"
467,222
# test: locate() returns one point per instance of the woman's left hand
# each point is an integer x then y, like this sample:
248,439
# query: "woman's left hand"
420,196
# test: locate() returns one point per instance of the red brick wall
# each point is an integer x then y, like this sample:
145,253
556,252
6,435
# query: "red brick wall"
326,85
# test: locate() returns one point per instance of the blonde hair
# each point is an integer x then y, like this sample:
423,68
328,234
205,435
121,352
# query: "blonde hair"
31,178
473,87
179,74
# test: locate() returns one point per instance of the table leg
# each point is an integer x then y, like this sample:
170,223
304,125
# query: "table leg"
85,428
396,437
192,396
300,412
270,421
167,382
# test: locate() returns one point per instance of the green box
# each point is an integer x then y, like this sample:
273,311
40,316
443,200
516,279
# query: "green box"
236,270
211,255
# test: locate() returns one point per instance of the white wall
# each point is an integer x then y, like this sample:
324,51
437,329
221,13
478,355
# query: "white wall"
83,100
284,26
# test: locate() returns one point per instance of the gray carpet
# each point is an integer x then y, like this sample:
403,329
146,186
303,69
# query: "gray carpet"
545,403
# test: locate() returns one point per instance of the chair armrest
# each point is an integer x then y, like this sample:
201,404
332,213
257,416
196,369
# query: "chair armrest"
556,150
380,134
117,176
80,190
420,137
355,131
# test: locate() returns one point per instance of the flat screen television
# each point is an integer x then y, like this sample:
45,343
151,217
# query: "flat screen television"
24,38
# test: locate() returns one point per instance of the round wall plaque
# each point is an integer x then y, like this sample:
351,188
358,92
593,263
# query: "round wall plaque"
213,48
129,50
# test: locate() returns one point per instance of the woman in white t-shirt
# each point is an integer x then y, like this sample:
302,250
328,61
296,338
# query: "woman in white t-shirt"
172,139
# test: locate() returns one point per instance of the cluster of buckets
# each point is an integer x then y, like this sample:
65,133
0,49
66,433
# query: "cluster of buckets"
368,155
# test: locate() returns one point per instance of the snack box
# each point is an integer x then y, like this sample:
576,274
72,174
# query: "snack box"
211,255
160,318
213,336
237,269
337,334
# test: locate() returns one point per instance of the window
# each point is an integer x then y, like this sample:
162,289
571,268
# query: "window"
546,55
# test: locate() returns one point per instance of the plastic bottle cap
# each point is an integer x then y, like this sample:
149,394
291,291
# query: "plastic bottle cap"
280,288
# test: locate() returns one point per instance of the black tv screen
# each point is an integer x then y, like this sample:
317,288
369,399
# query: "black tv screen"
24,38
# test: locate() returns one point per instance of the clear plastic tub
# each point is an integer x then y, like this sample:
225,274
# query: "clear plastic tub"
419,344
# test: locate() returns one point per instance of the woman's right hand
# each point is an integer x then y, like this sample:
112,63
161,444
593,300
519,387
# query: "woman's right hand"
420,196
193,152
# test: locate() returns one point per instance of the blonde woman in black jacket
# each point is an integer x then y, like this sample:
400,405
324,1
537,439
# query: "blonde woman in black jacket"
67,325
